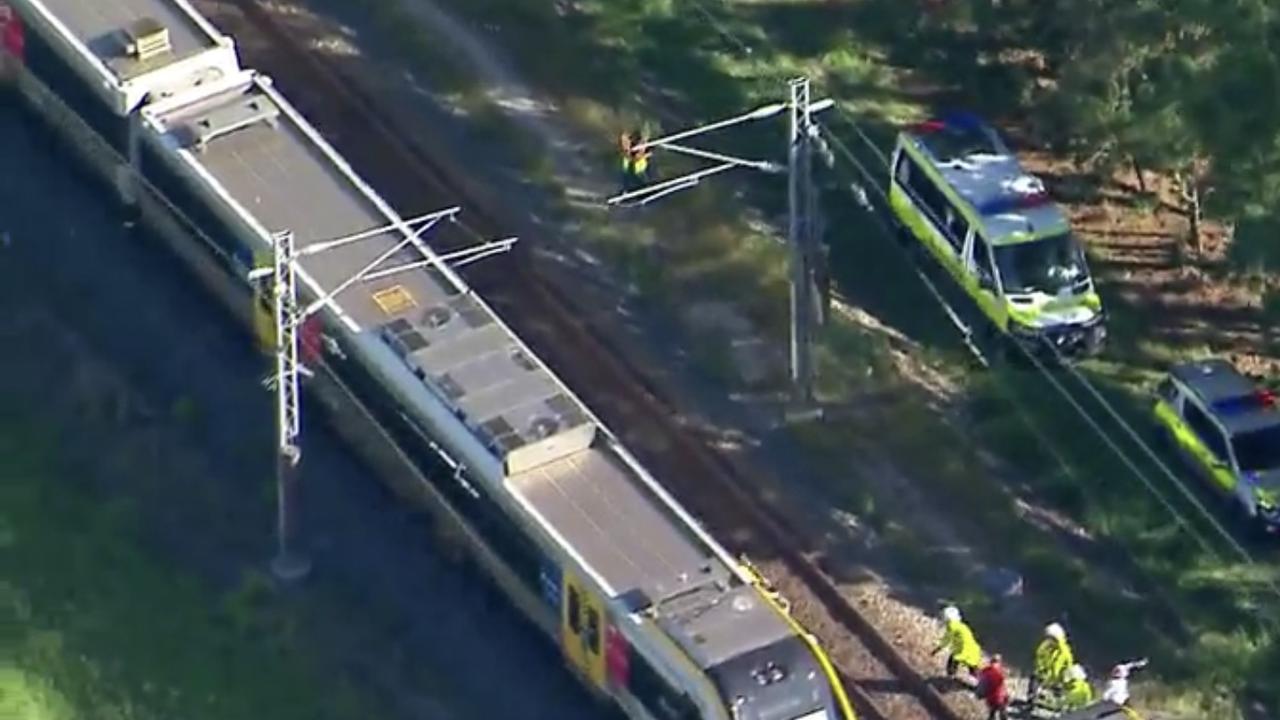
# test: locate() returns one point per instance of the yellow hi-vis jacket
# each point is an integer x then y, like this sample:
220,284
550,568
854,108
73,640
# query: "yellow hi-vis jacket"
1078,694
962,645
1053,657
640,162
625,144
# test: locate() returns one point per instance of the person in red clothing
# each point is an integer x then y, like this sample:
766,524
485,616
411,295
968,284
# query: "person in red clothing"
991,688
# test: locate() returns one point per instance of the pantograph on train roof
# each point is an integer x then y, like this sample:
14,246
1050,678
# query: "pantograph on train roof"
254,148
250,145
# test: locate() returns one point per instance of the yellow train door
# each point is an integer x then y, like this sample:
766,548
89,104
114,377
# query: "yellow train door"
582,621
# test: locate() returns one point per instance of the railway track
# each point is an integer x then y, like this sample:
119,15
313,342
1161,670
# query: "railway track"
414,179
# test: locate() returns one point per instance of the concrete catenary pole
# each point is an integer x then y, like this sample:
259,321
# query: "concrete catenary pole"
802,212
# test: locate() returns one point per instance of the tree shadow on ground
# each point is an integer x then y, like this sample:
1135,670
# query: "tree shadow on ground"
1150,315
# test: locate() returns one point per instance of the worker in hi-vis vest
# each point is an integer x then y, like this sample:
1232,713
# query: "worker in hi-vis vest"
635,160
962,647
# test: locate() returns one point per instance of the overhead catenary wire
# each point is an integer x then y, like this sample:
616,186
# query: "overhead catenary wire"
721,28
1156,459
1161,497
931,287
1126,458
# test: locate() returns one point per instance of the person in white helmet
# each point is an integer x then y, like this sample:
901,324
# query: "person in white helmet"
959,640
1118,685
1078,693
1052,659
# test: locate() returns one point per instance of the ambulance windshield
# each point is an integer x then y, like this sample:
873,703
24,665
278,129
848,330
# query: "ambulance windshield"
1050,265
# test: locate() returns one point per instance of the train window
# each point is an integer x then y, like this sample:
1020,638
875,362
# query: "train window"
652,691
574,610
592,636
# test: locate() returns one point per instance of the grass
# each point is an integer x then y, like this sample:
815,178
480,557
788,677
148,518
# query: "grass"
95,626
611,63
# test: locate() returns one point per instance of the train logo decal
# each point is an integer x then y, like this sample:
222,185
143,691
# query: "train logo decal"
582,630
617,662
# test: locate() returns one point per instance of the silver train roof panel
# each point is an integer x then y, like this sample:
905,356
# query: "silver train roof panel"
279,173
103,35
641,556
593,504
716,624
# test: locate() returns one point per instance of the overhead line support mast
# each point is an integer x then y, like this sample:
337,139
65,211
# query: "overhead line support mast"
290,563
804,236
803,242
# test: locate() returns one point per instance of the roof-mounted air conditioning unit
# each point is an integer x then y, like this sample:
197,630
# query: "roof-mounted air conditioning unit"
147,39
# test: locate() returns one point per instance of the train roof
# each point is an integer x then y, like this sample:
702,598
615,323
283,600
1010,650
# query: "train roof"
262,158
137,48
645,558
270,164
1013,205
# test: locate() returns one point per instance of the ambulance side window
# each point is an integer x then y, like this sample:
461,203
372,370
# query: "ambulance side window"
932,203
957,228
902,170
935,203
982,263
1206,431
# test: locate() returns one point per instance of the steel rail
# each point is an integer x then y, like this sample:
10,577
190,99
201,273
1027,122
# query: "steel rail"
411,167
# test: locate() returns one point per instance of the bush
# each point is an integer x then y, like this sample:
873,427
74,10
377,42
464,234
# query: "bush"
1271,306
1256,245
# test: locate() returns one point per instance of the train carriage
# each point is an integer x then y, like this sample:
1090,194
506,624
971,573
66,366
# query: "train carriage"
646,607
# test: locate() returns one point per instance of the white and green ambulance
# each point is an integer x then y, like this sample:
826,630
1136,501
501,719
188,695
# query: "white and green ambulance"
960,192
